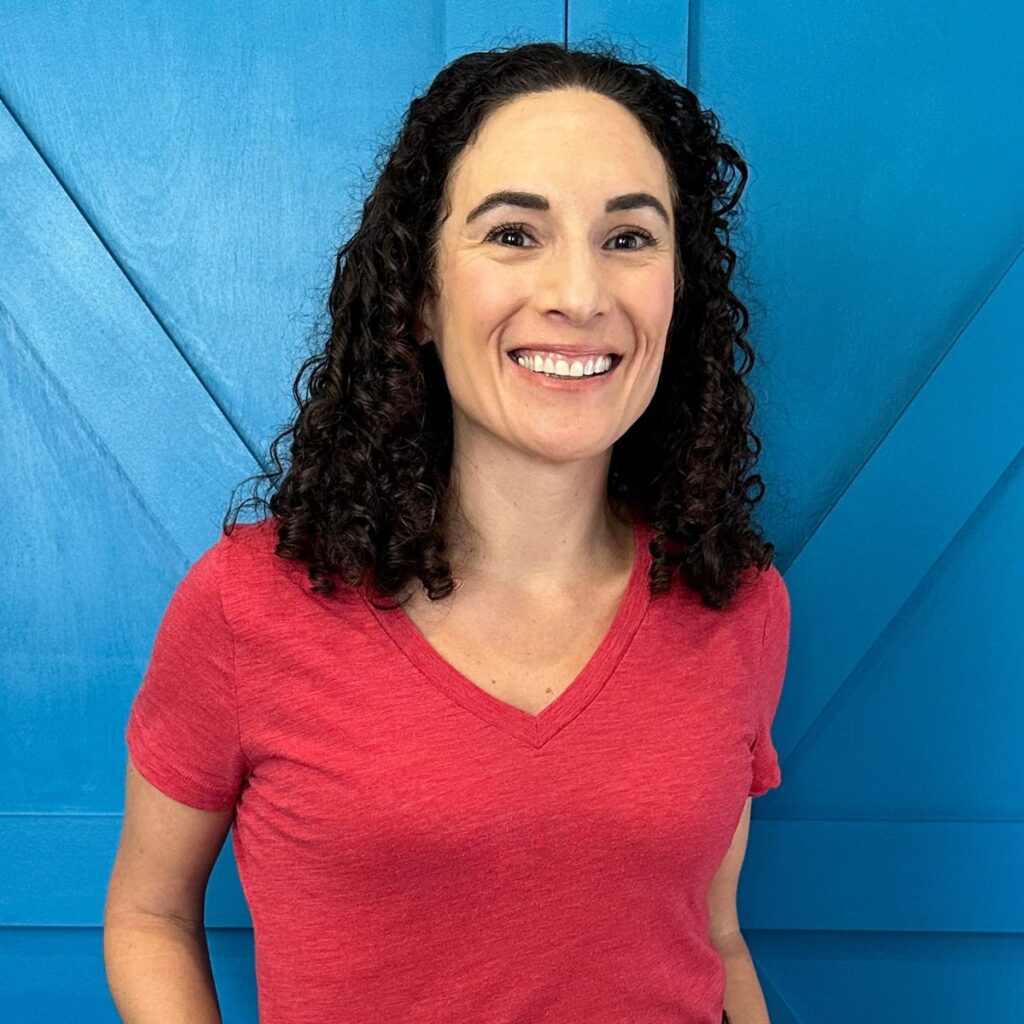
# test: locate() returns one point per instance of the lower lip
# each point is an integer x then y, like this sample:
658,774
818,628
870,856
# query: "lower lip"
592,383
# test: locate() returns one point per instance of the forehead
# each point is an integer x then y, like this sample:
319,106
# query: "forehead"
570,145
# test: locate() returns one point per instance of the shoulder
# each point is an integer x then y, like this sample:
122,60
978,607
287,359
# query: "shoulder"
260,586
249,553
248,540
776,595
741,624
252,575
775,612
761,603
761,591
769,600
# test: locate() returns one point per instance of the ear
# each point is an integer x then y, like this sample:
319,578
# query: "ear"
424,331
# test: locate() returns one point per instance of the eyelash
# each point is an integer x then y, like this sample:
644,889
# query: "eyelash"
498,229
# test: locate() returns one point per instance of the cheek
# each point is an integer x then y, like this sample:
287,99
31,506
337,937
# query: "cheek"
650,310
487,292
658,298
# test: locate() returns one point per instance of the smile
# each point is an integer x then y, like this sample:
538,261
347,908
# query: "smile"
566,382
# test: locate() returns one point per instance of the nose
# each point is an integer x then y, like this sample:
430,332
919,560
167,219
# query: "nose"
571,282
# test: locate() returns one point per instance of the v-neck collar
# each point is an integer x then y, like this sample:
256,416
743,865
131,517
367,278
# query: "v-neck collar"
534,730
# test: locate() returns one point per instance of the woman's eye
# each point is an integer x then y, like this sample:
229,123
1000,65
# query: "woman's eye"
506,229
646,238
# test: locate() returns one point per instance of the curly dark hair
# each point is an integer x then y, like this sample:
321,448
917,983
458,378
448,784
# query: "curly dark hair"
368,482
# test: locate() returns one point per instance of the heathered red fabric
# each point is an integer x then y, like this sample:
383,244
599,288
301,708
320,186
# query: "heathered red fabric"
413,849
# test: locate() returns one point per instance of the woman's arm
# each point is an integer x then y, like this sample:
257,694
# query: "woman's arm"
154,935
744,1000
158,970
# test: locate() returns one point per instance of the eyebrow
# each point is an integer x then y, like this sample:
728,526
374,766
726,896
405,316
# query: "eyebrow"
532,201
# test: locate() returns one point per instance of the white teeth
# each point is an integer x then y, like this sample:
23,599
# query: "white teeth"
562,368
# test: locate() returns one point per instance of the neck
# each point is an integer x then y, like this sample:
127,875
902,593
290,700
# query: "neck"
542,535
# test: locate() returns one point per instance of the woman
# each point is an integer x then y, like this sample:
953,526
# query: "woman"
503,771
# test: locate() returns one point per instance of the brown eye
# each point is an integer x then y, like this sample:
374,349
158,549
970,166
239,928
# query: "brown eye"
501,229
646,238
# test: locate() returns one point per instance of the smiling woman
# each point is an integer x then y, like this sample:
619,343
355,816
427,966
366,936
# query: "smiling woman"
413,396
571,291
493,684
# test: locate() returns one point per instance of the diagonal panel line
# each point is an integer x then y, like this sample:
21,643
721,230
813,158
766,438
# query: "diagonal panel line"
922,482
811,730
16,336
101,241
94,332
923,383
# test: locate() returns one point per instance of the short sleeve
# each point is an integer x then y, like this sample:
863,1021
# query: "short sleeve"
772,671
182,731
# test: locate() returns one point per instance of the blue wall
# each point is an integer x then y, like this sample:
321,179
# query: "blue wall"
175,181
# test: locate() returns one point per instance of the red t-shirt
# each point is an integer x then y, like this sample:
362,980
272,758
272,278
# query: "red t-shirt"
414,849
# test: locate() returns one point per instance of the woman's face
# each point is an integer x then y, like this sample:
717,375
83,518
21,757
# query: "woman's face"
572,279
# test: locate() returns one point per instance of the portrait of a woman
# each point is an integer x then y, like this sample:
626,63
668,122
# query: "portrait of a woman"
485,695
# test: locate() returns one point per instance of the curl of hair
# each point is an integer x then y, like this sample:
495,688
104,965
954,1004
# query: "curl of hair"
371,442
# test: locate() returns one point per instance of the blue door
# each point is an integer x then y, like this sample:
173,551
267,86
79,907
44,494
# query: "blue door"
174,183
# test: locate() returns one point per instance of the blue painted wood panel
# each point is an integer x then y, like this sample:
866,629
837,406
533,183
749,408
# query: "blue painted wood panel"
884,223
175,182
